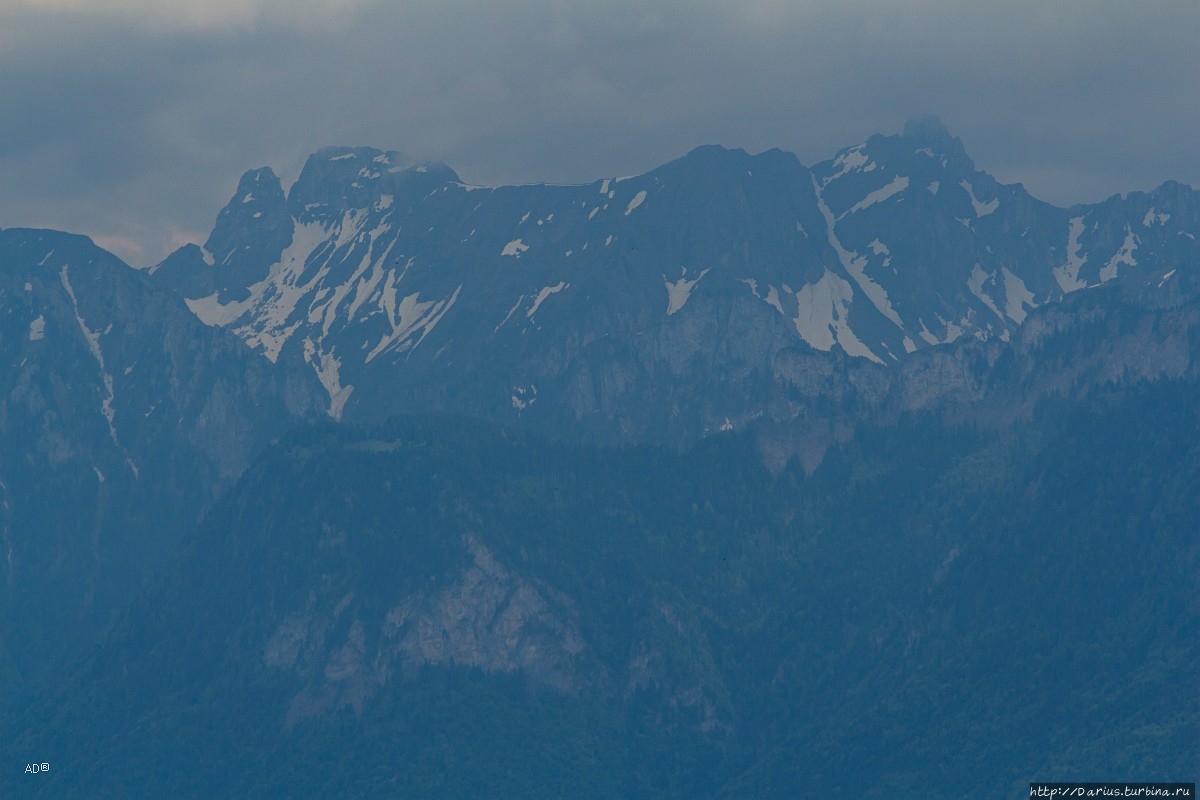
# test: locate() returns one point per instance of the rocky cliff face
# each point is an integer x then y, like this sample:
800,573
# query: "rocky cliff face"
663,306
719,292
122,418
1119,335
486,616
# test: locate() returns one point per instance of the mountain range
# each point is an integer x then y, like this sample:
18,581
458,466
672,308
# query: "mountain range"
735,478
663,306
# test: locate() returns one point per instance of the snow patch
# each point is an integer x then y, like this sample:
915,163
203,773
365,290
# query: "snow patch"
933,187
248,198
272,300
637,200
93,340
327,367
1122,256
852,159
981,209
1067,275
897,185
856,265
822,316
523,397
349,228
328,311
212,312
953,331
975,284
511,311
408,318
881,249
365,287
1016,297
1152,218
679,291
772,298
37,329
514,248
542,295
926,334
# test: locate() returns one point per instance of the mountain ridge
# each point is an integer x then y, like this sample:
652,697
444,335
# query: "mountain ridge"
406,290
747,477
122,419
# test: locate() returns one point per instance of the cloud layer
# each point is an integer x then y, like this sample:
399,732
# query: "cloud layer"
131,120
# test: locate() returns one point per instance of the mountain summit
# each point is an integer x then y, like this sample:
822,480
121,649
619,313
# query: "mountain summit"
947,544
666,303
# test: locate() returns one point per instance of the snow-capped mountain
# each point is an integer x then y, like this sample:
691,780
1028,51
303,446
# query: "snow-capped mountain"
958,407
659,303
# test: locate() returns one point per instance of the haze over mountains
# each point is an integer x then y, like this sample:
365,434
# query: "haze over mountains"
820,475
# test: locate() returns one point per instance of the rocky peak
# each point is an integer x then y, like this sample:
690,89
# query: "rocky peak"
930,131
252,229
337,179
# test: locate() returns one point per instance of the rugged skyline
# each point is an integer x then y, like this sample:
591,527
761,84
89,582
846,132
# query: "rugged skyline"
131,120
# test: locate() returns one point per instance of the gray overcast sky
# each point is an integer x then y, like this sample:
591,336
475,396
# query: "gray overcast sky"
131,120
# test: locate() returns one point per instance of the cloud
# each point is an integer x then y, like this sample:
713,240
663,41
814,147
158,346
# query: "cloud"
132,119
202,15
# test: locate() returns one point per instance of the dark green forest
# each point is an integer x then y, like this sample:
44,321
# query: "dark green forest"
936,611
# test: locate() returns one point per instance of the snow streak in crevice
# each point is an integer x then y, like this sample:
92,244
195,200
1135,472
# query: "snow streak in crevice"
93,339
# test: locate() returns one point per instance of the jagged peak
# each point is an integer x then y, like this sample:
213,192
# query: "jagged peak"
930,132
256,185
345,159
339,176
258,177
929,128
714,154
388,159
720,159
